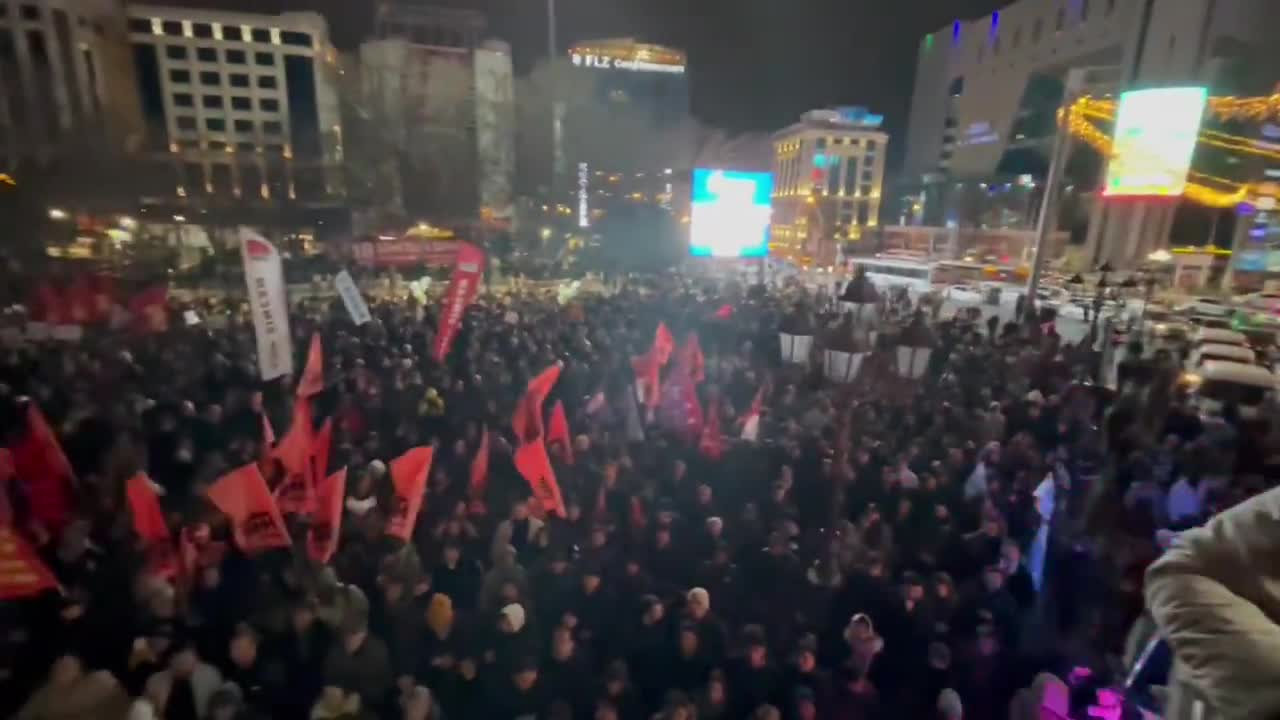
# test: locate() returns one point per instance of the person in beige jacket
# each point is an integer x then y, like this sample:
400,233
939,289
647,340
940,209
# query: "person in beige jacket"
1215,595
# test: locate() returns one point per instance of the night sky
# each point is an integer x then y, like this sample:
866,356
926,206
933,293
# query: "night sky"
754,64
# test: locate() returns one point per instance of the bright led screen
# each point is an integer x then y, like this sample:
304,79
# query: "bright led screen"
1155,137
731,213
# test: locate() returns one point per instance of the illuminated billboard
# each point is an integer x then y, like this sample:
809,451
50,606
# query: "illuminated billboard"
731,211
1155,137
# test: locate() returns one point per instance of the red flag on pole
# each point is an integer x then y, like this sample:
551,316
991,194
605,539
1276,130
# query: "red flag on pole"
532,462
527,420
711,442
409,476
296,493
692,359
480,467
320,452
312,382
22,573
243,497
663,344
144,504
43,468
558,431
322,539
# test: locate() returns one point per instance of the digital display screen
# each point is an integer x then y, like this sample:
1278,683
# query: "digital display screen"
1155,137
731,212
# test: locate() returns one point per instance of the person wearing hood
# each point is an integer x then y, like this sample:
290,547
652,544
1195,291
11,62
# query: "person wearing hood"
519,531
510,641
506,570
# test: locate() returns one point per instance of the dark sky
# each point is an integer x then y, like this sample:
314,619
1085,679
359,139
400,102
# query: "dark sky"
754,64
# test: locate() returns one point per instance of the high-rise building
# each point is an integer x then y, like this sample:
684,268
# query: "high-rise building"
421,76
65,68
245,105
988,89
828,171
627,130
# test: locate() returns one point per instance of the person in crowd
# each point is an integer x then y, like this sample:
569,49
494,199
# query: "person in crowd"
794,548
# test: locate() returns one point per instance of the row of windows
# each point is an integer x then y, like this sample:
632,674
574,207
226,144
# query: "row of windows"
210,55
212,78
206,31
271,149
836,141
217,124
218,102
1037,27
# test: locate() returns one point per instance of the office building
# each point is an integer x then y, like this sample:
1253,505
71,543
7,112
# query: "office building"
245,105
65,70
987,91
627,131
828,171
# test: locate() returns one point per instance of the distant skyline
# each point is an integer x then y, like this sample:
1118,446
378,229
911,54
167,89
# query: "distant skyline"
755,65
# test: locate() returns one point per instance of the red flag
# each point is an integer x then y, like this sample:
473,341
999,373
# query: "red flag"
255,520
43,468
527,420
409,475
724,313
320,452
532,462
322,540
22,573
296,493
480,467
149,310
711,443
462,292
558,431
144,504
663,344
692,359
312,382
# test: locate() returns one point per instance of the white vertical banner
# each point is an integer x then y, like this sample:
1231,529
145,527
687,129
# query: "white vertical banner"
357,308
264,276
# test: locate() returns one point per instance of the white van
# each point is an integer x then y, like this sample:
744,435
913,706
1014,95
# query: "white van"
1215,351
1219,382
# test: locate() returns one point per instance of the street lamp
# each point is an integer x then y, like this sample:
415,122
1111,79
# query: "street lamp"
57,214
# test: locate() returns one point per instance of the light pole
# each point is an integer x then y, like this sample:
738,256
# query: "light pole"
557,107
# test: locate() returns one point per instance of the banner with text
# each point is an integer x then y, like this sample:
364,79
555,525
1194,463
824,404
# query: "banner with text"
462,292
357,308
264,275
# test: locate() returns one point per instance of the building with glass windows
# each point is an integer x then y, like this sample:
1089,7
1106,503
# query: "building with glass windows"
65,67
828,170
244,107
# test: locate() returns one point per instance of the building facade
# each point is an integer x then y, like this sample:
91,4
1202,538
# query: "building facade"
65,69
245,107
828,173
987,91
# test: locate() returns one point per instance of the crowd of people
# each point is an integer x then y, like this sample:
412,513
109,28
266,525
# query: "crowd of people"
887,548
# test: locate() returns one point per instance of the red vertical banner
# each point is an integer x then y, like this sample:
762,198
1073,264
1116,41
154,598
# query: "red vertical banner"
22,573
463,288
480,467
322,540
532,462
711,442
409,476
243,497
144,505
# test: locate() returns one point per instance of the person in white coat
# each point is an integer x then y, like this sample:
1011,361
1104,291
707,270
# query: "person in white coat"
1215,595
